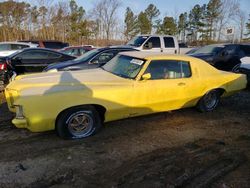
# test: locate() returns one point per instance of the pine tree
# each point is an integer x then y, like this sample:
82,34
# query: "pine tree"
131,24
144,23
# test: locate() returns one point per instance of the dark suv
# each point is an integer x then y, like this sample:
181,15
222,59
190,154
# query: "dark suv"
223,56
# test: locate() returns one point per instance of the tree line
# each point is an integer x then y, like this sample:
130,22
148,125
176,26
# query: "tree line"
203,23
67,21
64,20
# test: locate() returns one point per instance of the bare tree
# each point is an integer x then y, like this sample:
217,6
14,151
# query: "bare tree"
241,21
229,11
105,12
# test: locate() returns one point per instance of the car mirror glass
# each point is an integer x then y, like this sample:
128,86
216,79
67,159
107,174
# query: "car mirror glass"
148,45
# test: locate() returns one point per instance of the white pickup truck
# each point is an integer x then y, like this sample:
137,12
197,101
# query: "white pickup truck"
157,43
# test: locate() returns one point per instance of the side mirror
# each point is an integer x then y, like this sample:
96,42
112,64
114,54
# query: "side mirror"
146,76
148,46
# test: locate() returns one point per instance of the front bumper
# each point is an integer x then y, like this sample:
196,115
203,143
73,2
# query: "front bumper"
20,123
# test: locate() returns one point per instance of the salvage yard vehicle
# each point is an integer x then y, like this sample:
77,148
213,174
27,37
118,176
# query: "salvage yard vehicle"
28,60
76,50
50,44
76,103
244,67
8,48
92,59
155,43
223,56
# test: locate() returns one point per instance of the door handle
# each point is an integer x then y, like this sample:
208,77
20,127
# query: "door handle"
181,84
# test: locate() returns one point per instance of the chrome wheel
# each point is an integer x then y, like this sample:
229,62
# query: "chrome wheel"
80,123
211,100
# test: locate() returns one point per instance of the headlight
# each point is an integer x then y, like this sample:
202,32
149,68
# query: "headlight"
19,112
52,70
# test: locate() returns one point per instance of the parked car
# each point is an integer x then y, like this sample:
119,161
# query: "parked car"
51,44
28,60
224,56
8,48
76,50
245,67
92,59
131,84
155,43
184,48
193,50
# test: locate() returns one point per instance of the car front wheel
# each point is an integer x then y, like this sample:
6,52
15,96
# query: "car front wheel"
78,123
209,101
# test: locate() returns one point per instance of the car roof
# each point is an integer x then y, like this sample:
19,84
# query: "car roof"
22,43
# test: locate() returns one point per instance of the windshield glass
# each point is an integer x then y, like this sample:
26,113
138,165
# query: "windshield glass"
88,55
137,41
210,49
124,66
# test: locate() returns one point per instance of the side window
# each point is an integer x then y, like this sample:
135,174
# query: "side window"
18,46
82,51
229,50
168,69
52,55
156,42
53,45
34,54
4,47
169,42
104,57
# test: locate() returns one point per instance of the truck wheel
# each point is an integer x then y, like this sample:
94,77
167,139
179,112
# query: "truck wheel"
78,122
209,101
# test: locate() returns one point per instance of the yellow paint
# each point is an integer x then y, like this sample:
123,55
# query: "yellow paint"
43,96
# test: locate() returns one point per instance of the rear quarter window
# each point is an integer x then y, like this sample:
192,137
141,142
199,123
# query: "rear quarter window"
169,42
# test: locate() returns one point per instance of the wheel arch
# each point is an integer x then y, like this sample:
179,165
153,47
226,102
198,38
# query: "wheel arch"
99,108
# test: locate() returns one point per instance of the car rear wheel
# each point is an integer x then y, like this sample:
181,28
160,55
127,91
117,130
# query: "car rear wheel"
209,101
79,122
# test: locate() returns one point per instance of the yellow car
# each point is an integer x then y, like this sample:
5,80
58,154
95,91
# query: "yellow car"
75,104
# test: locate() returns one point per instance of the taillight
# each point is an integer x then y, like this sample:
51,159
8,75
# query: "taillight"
3,66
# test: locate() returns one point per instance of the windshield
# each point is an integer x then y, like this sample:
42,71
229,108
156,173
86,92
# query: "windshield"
88,55
137,41
210,49
124,66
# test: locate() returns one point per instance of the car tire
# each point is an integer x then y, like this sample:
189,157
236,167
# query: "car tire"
209,101
78,122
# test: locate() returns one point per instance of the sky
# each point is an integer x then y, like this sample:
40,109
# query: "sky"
166,7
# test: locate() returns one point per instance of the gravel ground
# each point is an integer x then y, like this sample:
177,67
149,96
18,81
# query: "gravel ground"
182,148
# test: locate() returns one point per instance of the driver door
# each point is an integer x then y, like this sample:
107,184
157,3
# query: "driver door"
167,89
153,44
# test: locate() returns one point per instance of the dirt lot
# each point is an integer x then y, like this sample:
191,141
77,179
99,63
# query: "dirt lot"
183,148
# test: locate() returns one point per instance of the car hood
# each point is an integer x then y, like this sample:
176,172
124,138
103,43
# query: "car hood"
43,83
62,65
